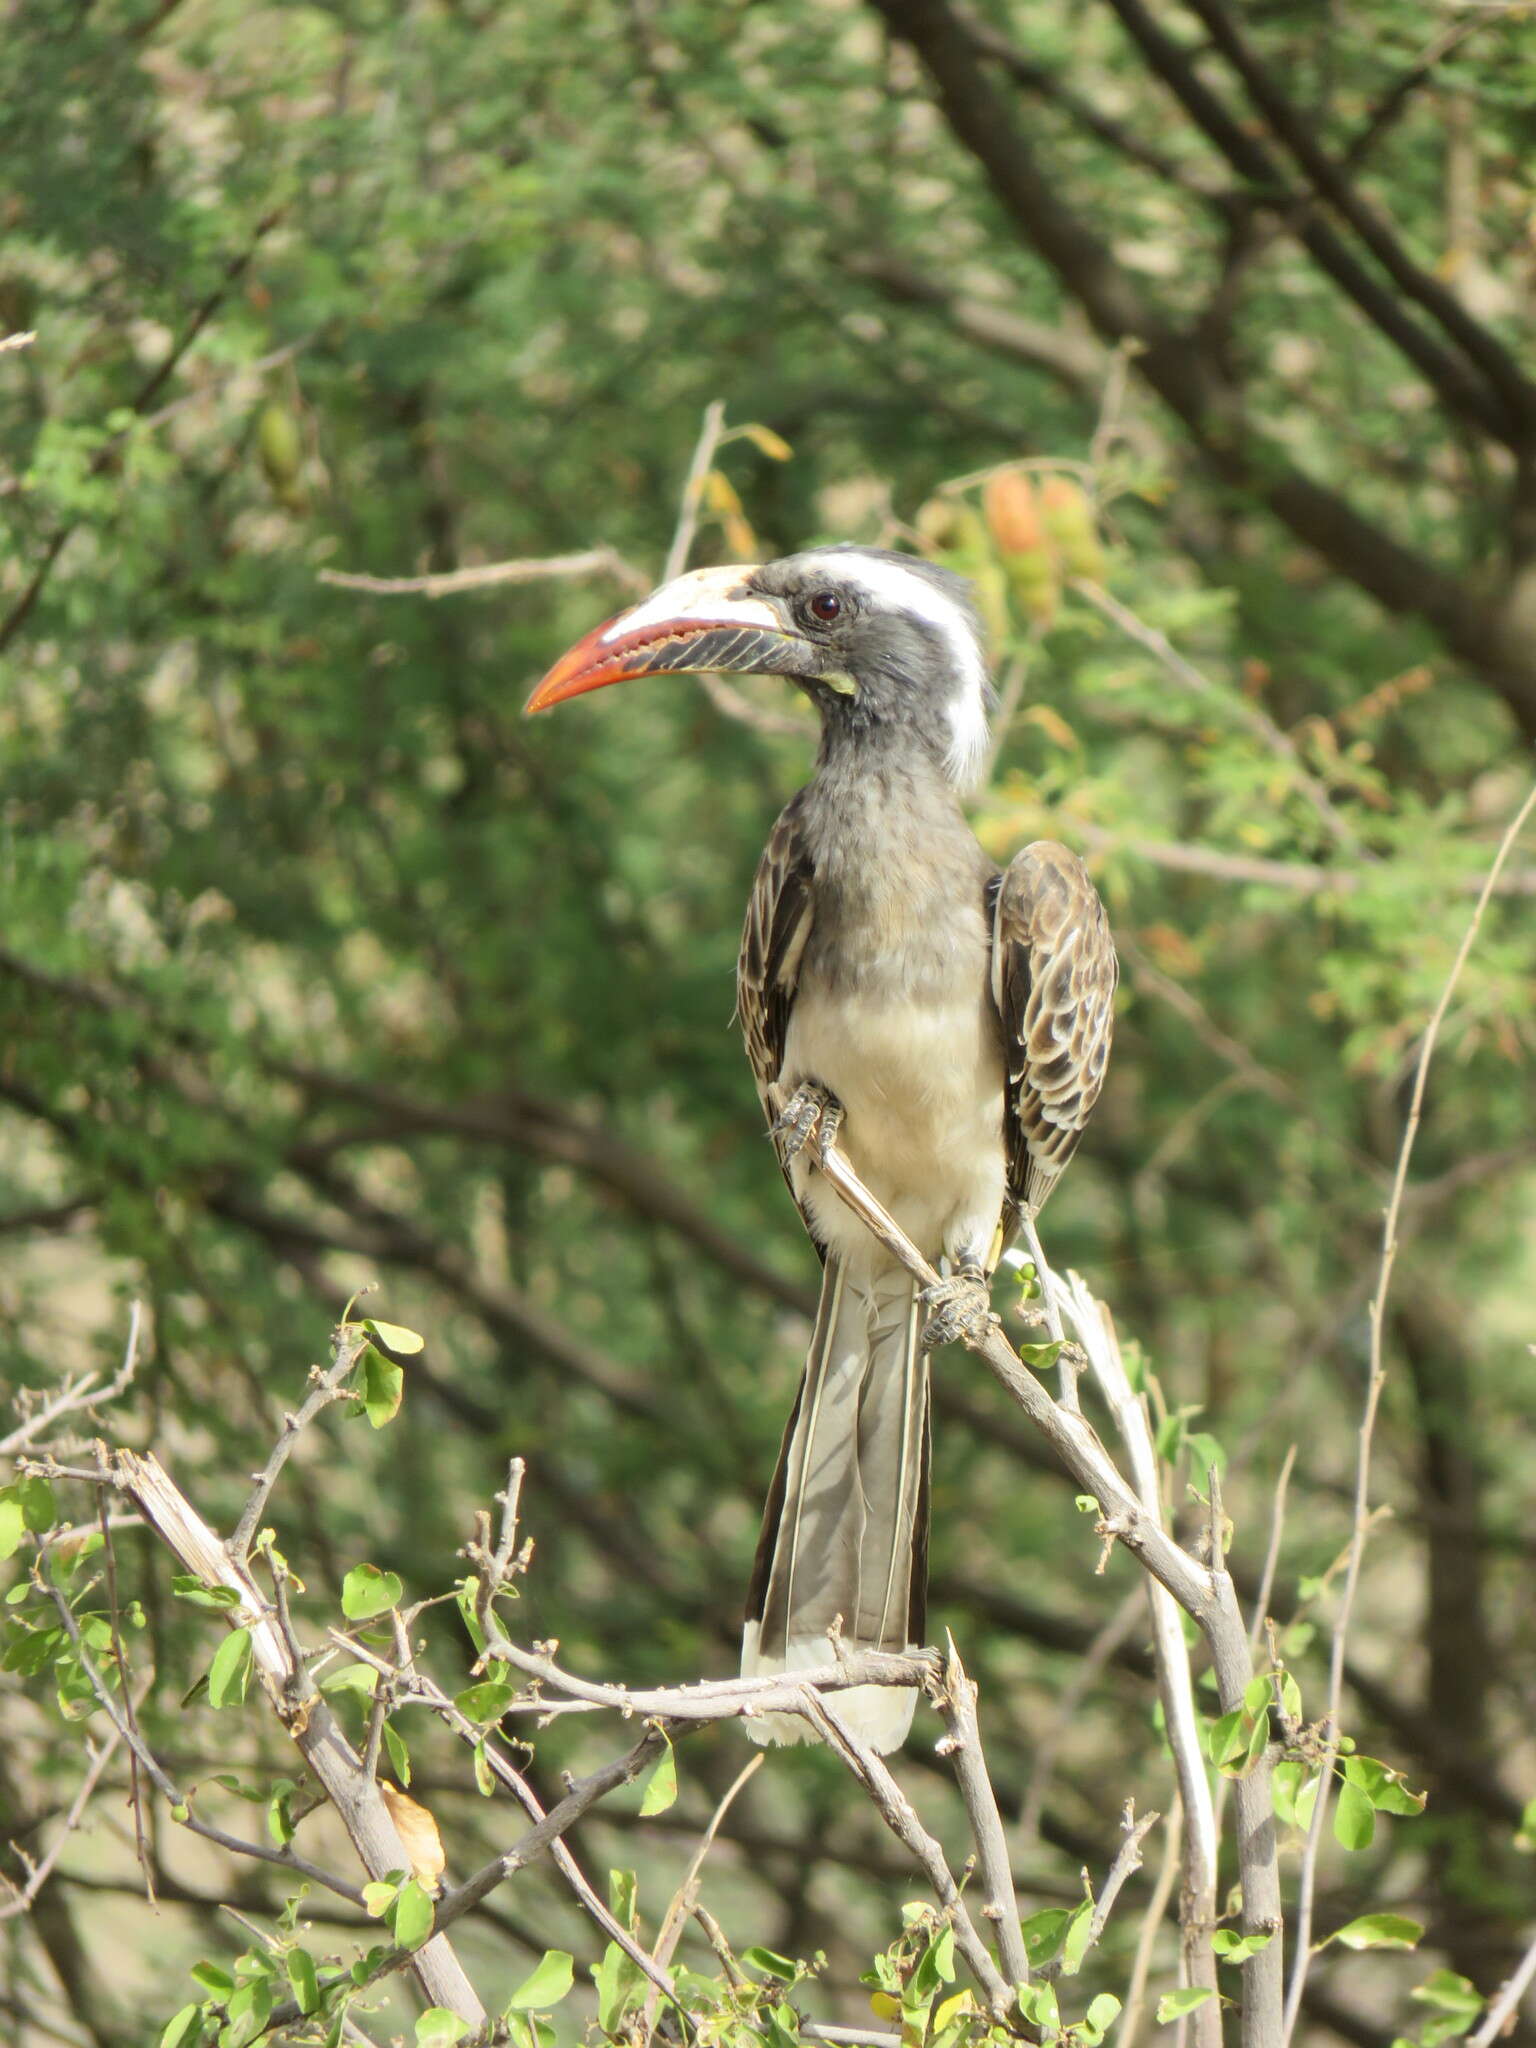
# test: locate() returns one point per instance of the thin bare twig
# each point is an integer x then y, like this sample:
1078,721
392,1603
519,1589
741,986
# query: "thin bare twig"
725,697
1146,1939
1258,722
1272,1555
600,561
1302,877
1047,1744
346,1348
77,1394
39,1872
8,342
1133,1833
1501,2007
686,1897
1361,1520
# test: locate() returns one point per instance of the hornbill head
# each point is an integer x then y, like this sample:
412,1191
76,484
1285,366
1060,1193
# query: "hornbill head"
875,640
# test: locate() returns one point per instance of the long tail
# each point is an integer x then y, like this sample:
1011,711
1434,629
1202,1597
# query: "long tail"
845,1531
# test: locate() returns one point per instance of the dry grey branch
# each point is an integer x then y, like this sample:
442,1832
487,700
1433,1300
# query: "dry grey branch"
301,1709
957,1703
1197,1896
897,1811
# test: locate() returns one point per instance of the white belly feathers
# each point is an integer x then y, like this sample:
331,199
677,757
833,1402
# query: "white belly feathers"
920,1076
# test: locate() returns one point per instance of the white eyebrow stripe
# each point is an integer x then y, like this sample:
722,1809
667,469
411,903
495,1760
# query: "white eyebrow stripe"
912,592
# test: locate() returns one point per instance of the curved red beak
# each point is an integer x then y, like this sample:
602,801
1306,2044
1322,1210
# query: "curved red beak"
703,620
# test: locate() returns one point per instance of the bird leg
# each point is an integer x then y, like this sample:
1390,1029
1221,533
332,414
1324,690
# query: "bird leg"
961,1305
811,1112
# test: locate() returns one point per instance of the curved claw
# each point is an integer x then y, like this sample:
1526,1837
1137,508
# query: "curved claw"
962,1307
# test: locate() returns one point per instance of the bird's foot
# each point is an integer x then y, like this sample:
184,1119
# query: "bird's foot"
961,1308
812,1112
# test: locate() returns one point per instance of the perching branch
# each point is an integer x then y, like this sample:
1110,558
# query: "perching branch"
1205,1592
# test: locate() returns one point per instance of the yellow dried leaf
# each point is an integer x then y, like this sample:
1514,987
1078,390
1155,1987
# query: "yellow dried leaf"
720,494
1051,723
418,1836
771,444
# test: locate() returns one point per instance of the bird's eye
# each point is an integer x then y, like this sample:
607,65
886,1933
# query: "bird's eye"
826,605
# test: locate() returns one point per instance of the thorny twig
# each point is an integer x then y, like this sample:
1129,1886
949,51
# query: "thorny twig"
325,1387
1361,1520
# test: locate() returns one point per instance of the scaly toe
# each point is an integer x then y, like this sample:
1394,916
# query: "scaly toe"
962,1307
806,1116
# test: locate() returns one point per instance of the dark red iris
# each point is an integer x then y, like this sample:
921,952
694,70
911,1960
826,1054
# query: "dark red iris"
826,605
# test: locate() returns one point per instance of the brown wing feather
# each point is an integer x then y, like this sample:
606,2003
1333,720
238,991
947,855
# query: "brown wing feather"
1054,974
778,921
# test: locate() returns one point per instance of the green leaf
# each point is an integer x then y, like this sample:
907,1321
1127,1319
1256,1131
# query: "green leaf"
196,1594
1037,2002
1449,1993
181,2027
1354,1818
351,1678
1257,1694
439,2028
658,1788
380,1895
13,1522
399,1755
280,1821
366,1591
411,1921
383,1388
485,1777
487,1701
1040,1356
1042,1933
770,1965
37,1502
301,1975
1174,2004
395,1336
1232,1947
1101,2015
618,1981
545,1985
212,1978
1074,1941
1378,1930
1383,1786
624,1898
230,1672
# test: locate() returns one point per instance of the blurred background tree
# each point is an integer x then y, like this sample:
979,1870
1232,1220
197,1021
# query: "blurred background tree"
317,967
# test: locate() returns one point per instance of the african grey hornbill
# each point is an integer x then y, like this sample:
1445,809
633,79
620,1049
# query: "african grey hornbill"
948,1024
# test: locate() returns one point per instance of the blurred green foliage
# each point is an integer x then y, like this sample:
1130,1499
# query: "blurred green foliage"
319,968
